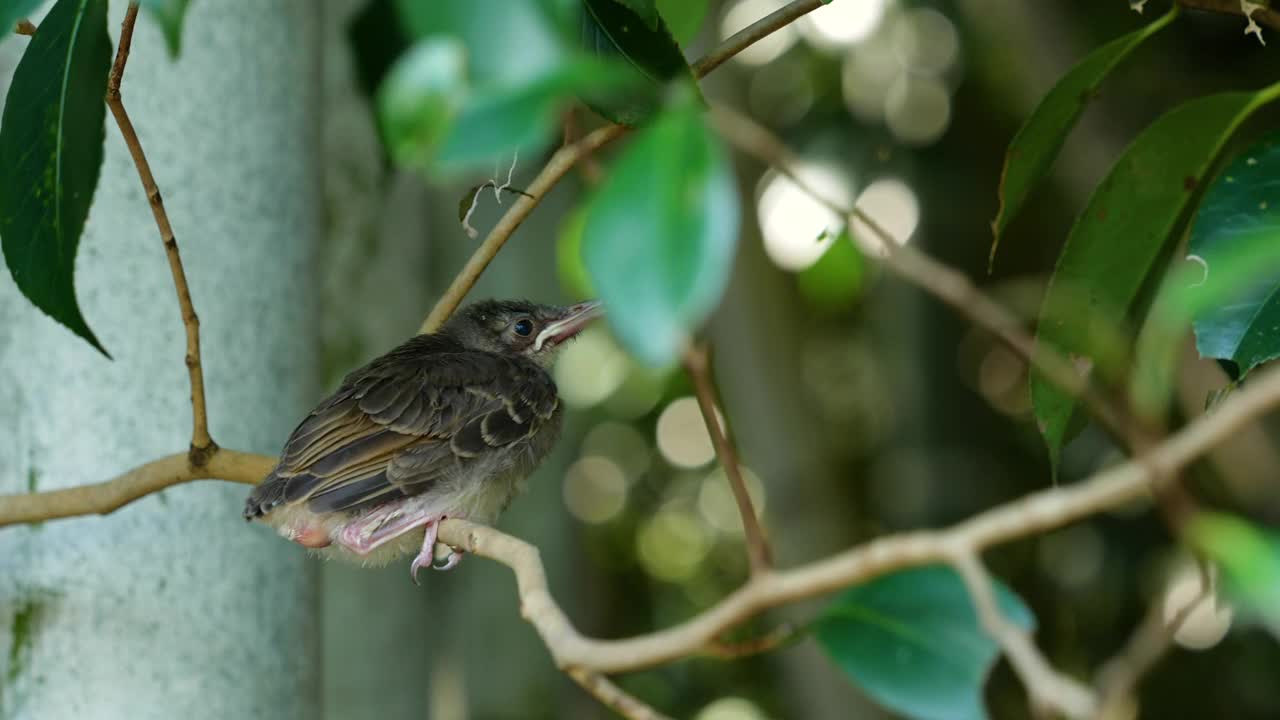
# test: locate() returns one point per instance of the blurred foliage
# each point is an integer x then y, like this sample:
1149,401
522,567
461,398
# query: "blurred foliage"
1250,561
170,15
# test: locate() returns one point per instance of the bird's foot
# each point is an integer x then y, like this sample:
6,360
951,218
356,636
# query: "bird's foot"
381,526
426,557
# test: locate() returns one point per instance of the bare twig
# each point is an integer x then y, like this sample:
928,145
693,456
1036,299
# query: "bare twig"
566,157
1120,675
202,446
753,33
945,283
613,696
698,366
1048,688
25,27
1262,14
110,495
768,642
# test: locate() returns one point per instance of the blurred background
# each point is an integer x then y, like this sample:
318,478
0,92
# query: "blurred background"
860,406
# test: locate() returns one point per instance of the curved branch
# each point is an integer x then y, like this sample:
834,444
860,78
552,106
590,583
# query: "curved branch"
111,495
1036,513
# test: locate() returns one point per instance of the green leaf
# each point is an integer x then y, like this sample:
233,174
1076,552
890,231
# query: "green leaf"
169,14
661,233
11,11
422,95
683,17
632,29
912,641
836,281
1249,558
51,139
1034,148
1240,204
496,122
1117,242
1238,272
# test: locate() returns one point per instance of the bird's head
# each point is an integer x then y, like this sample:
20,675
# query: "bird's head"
520,327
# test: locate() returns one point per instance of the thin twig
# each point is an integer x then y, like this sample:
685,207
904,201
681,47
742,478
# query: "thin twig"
25,27
768,642
1048,688
945,283
202,445
566,157
753,33
1119,676
1262,14
698,366
110,495
614,697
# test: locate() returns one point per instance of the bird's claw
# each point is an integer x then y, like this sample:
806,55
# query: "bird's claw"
455,557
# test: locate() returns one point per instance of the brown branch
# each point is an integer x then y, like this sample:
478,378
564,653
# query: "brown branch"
698,366
202,446
111,495
25,27
1264,15
1120,675
1039,512
613,696
1048,688
768,642
566,157
948,285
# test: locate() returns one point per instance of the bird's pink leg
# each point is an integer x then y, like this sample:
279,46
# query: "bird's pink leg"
380,526
427,556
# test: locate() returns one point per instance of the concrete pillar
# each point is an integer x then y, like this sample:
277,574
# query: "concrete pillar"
173,607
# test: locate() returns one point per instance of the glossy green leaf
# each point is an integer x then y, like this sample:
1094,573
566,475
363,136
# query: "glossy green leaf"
912,641
837,280
51,138
1038,141
660,234
1249,557
11,11
1239,272
497,122
421,97
169,14
1117,242
683,17
1241,203
633,30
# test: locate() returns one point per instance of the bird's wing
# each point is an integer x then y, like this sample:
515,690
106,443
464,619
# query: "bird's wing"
400,425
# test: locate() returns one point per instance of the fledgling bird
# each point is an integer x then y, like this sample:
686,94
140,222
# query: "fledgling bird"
446,425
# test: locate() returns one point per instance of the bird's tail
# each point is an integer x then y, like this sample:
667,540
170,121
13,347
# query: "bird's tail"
265,497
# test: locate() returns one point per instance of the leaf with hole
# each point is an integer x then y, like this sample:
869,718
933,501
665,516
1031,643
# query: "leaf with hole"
1242,203
1038,141
169,14
1119,243
660,234
912,640
51,137
633,30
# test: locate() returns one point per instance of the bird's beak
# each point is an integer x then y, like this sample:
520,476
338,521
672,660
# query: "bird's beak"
575,319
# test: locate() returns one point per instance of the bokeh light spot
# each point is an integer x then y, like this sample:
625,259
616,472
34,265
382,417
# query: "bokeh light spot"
746,12
1207,624
717,505
917,109
926,41
797,228
595,489
893,205
590,369
682,436
731,708
622,444
672,544
1073,556
841,24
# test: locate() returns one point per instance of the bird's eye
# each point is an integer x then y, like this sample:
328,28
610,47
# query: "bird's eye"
524,327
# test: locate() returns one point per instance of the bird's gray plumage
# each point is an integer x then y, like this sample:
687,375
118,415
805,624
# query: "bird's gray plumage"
451,420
